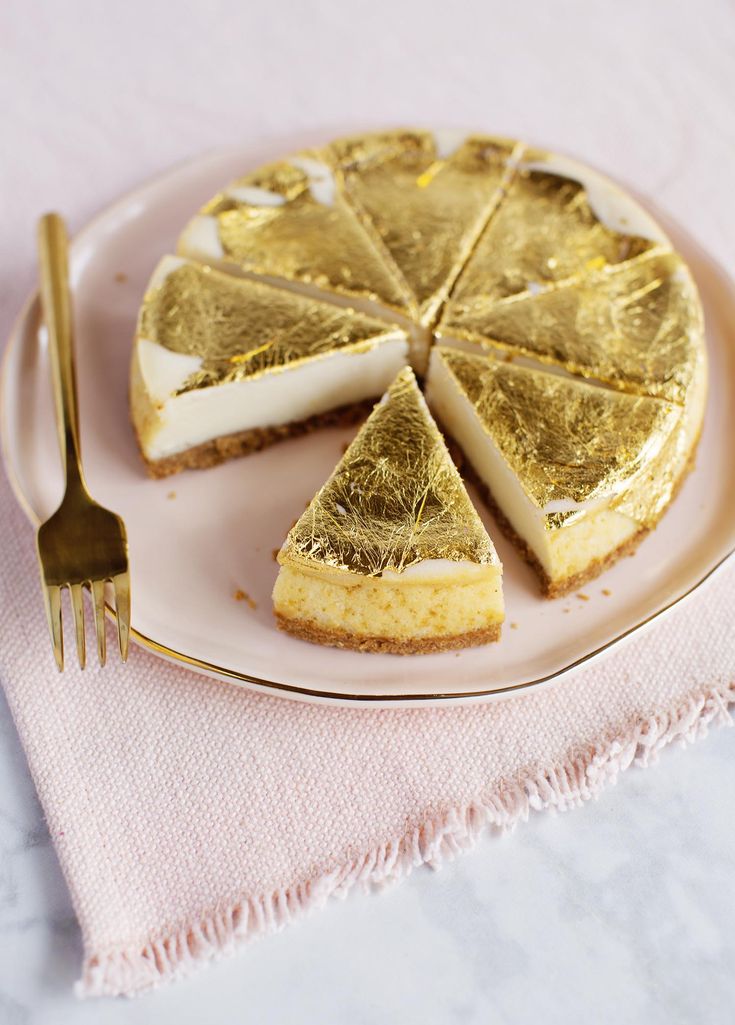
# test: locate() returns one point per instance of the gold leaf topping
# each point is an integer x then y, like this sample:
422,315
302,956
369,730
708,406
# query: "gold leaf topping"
426,210
302,230
571,445
638,328
394,500
243,329
543,232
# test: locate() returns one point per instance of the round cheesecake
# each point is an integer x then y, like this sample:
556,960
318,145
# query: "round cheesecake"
557,333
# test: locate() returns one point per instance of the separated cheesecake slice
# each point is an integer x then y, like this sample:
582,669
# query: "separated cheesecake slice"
577,473
223,366
391,555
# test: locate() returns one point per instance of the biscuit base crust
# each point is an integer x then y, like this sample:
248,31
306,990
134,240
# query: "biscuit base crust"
306,630
558,588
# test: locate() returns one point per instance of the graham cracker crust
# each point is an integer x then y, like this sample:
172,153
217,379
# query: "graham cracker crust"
243,443
305,630
558,588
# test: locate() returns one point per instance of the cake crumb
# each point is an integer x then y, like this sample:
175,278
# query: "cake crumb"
606,592
121,278
241,595
171,495
582,596
565,610
514,626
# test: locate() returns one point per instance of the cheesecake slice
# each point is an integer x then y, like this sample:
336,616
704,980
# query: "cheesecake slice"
636,327
576,473
223,366
391,555
426,197
556,222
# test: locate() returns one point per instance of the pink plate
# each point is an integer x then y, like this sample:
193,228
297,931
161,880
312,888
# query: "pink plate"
198,538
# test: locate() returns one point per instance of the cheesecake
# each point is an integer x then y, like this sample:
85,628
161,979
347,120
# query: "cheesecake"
576,473
391,555
558,333
223,366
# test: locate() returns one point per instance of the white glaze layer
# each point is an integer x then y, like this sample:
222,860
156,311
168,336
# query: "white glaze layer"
280,397
614,207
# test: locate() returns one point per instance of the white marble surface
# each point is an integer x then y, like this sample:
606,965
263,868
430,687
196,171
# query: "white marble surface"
620,912
616,914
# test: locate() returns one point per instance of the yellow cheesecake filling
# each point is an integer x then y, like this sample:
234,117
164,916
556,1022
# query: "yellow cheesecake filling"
464,601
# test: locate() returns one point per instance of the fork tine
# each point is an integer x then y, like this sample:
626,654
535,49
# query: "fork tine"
98,598
121,584
52,604
77,605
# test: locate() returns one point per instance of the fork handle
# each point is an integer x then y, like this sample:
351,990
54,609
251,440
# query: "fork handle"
53,246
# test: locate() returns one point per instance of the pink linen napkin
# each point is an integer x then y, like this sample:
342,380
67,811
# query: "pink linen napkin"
190,814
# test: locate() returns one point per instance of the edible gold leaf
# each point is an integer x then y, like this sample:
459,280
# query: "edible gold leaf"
543,232
425,208
567,442
637,328
302,230
394,500
243,329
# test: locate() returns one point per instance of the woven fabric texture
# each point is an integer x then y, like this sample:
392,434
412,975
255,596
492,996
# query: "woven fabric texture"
189,814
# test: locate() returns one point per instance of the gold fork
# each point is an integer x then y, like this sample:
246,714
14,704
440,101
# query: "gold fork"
82,544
